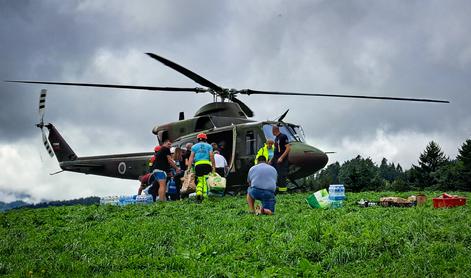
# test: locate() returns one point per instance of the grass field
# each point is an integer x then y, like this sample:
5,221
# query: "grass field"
218,238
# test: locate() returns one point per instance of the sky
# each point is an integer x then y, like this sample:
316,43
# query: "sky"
419,49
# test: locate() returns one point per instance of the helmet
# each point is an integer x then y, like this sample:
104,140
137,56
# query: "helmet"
202,136
157,148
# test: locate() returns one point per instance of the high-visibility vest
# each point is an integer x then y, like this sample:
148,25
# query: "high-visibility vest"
202,162
263,151
282,189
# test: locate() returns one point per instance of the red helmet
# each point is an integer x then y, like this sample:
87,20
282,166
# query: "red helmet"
202,136
157,148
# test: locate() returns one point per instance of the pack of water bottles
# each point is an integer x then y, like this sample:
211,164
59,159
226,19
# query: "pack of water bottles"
144,199
125,200
109,200
336,195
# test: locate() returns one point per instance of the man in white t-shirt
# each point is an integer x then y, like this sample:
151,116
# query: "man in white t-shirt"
221,164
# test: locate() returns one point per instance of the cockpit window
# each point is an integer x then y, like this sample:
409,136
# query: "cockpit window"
298,132
294,133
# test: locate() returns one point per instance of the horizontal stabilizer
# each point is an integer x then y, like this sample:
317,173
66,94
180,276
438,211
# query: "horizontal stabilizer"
87,165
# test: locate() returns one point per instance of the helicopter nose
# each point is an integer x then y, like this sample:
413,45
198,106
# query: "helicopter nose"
305,160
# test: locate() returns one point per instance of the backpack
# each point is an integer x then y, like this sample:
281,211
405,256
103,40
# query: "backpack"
171,186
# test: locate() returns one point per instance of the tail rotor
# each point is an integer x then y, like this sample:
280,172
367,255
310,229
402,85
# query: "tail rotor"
42,109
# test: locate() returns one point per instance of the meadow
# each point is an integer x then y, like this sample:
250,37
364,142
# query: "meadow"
220,239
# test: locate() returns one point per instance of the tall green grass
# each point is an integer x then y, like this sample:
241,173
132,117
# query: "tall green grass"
218,238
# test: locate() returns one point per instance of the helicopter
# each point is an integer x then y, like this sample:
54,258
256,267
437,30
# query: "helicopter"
226,121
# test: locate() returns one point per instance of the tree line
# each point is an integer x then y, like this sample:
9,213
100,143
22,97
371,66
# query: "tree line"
435,171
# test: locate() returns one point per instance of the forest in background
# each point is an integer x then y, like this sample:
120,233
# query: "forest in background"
435,171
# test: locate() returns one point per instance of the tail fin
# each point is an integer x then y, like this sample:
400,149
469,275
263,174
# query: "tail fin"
60,147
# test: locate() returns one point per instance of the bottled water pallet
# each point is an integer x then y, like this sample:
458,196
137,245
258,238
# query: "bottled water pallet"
126,200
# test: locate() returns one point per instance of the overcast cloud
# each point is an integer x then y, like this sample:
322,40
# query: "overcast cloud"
418,49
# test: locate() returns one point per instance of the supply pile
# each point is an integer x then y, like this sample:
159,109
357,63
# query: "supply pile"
126,200
332,199
411,201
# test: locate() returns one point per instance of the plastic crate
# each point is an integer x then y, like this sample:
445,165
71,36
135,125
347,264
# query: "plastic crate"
447,201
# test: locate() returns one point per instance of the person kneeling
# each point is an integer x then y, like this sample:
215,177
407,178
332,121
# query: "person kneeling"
262,180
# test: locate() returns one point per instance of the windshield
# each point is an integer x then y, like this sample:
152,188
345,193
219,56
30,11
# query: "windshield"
287,130
298,132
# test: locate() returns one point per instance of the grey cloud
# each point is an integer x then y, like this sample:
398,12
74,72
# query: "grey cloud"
401,48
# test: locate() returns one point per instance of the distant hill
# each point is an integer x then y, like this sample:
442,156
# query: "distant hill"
12,205
81,201
20,204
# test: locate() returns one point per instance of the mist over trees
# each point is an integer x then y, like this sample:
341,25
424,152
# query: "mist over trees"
434,171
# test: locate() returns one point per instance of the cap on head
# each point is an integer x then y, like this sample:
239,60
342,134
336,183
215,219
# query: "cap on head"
202,136
144,178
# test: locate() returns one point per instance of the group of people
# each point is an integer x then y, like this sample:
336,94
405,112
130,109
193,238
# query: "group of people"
164,166
169,163
265,178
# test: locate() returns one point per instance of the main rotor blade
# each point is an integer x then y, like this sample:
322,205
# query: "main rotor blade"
188,73
280,119
243,106
256,92
149,88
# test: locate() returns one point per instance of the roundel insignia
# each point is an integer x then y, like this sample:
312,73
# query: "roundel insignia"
122,168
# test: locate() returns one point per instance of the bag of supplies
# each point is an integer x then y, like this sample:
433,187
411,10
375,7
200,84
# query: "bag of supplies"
188,183
320,199
216,183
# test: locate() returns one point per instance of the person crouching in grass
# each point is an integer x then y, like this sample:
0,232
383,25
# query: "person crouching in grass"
262,186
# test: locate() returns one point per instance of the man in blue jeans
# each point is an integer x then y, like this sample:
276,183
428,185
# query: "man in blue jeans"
262,179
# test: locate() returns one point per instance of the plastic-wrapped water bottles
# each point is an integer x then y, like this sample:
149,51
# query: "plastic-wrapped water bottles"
337,192
144,199
127,200
336,195
109,200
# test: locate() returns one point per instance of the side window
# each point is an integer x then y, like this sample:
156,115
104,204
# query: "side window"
250,143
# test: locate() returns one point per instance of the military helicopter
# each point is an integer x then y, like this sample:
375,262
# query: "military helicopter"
225,121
